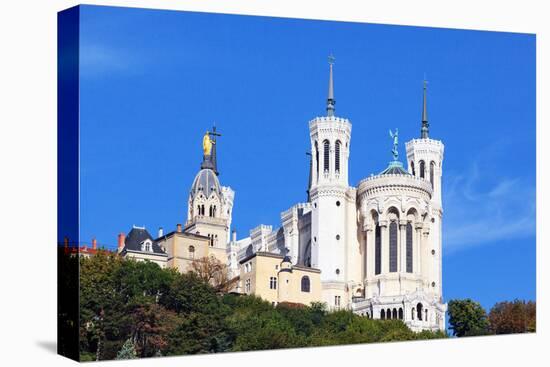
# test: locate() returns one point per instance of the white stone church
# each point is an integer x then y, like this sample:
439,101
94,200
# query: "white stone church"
377,245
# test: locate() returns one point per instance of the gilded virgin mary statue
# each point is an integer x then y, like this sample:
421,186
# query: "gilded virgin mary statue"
207,143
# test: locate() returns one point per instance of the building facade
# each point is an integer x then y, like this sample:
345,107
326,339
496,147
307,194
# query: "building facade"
378,245
374,248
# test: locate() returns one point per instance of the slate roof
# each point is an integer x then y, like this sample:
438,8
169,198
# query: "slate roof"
136,237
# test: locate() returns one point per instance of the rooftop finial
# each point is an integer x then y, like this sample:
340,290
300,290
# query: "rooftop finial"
330,100
425,125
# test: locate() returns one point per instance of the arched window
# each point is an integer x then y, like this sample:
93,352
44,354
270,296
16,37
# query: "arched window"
192,252
210,211
214,210
383,314
412,313
317,158
326,155
388,314
377,250
394,314
432,167
400,313
422,169
305,284
393,246
409,249
412,168
419,311
337,156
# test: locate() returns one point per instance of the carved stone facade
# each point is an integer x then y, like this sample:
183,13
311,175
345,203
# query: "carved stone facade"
377,245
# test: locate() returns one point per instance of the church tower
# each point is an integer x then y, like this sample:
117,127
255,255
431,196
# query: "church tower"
210,205
331,200
425,160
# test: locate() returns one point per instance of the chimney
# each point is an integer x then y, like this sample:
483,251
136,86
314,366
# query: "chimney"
234,236
94,244
121,238
178,228
161,232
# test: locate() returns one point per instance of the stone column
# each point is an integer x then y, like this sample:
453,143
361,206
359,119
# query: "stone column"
402,248
385,258
417,249
369,251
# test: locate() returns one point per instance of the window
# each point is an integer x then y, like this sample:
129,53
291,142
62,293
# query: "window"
146,246
192,252
394,314
214,211
305,284
337,237
377,250
326,157
383,315
412,313
317,158
337,271
210,211
337,203
337,301
422,168
432,165
412,168
388,314
272,283
337,156
393,246
409,247
247,286
419,311
400,313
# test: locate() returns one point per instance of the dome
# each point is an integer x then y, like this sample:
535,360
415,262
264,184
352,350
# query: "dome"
206,182
395,168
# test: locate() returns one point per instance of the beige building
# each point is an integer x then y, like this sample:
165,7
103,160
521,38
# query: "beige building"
183,248
274,278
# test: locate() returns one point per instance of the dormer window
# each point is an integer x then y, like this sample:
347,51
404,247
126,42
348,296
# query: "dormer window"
147,246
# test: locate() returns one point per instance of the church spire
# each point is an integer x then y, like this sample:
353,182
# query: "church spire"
330,100
425,125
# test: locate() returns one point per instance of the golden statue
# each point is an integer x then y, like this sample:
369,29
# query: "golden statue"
207,143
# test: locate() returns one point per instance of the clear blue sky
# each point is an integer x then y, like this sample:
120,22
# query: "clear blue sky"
152,82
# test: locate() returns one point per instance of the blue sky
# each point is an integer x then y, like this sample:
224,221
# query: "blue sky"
152,82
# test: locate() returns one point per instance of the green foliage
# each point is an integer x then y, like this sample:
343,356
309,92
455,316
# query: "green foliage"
128,351
136,309
467,318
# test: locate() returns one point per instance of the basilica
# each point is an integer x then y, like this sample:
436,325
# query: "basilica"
374,248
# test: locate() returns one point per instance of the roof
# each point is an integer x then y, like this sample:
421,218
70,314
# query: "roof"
136,237
395,168
206,182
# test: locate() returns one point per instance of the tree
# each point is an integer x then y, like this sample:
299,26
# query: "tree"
214,272
467,318
128,351
513,317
